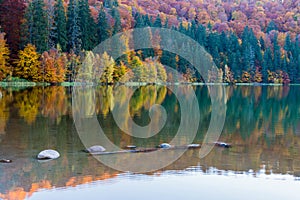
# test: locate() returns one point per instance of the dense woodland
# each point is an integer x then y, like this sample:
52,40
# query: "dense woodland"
250,41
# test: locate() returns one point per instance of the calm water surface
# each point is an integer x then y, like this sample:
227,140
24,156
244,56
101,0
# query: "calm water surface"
262,123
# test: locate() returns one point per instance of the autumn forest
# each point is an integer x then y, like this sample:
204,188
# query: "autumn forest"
249,40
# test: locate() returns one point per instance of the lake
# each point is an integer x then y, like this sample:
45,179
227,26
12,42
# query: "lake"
262,124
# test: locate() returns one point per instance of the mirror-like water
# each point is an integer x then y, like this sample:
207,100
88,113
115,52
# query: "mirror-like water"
262,124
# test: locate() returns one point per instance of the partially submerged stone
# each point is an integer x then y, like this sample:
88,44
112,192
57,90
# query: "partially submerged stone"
223,144
164,146
95,149
48,154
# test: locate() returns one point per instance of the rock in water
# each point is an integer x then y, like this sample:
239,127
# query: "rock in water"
5,161
164,146
0,95
95,149
194,146
48,154
223,144
130,147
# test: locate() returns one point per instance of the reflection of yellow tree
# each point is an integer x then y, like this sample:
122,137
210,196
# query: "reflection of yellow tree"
28,103
55,102
4,113
105,99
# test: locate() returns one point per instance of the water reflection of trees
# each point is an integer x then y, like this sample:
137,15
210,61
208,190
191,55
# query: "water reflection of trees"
262,123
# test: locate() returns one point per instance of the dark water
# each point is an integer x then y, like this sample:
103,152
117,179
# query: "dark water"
262,124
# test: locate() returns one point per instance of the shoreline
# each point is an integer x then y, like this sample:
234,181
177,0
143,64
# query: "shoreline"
74,84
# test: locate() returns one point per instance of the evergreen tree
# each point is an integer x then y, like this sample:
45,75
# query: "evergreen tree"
35,27
51,23
117,25
201,37
73,27
262,43
276,53
61,25
271,26
103,26
157,23
87,25
139,21
267,64
147,20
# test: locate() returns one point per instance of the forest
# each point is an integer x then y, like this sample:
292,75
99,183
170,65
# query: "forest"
249,41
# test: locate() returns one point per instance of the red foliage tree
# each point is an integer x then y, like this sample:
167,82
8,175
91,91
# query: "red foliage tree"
11,16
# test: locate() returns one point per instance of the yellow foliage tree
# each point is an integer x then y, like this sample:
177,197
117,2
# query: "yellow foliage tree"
4,57
28,64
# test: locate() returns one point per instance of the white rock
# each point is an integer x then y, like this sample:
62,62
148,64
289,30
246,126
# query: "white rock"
164,146
95,149
48,154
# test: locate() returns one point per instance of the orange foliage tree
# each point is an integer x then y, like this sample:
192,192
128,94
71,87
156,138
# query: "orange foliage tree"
53,66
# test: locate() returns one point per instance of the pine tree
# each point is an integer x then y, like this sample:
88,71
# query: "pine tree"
50,11
262,43
157,23
139,21
35,27
61,25
73,27
276,53
87,25
103,26
117,25
271,26
267,64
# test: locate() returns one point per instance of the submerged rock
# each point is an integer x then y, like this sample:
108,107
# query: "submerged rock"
5,161
95,149
48,154
0,95
164,146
